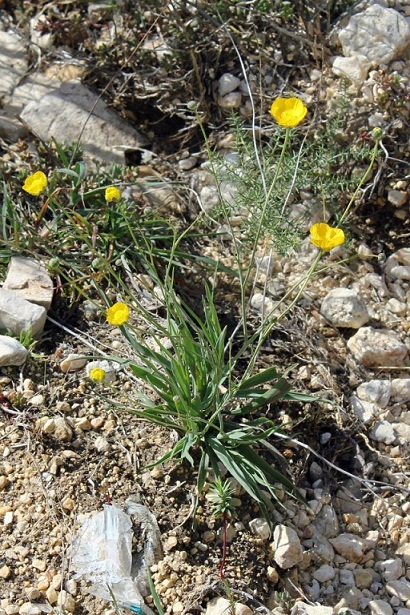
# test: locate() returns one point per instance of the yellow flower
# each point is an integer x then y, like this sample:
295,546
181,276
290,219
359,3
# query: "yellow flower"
35,183
112,194
97,374
118,313
326,237
288,112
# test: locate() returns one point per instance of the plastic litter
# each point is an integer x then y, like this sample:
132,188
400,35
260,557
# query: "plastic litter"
101,554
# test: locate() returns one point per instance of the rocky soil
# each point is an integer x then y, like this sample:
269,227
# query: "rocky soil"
66,450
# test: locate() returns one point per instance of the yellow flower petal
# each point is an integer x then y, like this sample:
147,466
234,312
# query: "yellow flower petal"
97,374
112,194
326,237
118,314
288,112
35,183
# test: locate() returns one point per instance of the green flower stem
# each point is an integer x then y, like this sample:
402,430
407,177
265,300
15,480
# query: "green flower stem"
363,179
266,203
264,330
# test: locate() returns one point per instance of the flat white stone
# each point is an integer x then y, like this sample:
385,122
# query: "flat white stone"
378,33
72,113
18,315
377,347
344,307
12,352
303,608
29,279
383,432
354,68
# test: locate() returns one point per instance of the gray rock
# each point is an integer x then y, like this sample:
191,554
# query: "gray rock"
287,547
354,68
322,547
72,113
11,351
18,315
346,577
400,589
344,307
227,83
29,279
392,569
324,573
364,410
326,522
350,546
377,347
383,432
375,391
378,33
380,607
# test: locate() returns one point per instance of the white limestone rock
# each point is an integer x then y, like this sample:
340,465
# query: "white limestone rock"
383,432
392,569
400,390
12,352
303,608
354,68
73,111
378,33
227,83
349,546
375,391
287,547
222,606
377,347
400,589
364,410
380,607
18,315
344,307
260,528
29,279
232,100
